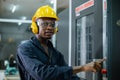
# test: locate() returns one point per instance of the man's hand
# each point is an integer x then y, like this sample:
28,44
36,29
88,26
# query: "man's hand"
93,66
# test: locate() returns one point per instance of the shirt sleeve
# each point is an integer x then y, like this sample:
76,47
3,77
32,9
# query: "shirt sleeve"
39,70
63,63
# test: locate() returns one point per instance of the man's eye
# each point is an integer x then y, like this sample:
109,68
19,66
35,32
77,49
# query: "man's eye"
45,24
53,24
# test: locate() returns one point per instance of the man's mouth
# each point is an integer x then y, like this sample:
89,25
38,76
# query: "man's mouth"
49,33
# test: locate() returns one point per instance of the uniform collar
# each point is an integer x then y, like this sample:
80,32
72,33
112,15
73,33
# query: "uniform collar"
38,44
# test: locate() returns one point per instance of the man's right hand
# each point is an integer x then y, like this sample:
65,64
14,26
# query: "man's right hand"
93,66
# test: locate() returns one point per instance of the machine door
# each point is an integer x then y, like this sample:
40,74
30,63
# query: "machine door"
84,42
89,35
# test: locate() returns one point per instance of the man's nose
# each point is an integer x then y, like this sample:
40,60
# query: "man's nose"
49,26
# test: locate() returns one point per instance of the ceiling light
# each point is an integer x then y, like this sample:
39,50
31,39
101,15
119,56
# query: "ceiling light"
14,8
24,18
19,23
51,1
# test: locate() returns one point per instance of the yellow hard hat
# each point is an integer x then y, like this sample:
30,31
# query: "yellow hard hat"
45,11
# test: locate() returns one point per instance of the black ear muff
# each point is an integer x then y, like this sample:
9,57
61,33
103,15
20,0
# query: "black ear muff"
35,28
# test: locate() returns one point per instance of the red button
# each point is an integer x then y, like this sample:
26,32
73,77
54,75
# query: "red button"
104,71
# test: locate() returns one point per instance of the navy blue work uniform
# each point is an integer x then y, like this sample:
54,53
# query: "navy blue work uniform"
35,64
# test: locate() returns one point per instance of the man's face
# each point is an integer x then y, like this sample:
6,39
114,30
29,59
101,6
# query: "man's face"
46,27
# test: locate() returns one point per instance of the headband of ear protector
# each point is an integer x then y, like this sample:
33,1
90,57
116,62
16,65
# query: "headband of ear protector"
35,28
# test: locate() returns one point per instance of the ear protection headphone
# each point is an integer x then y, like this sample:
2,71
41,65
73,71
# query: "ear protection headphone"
35,28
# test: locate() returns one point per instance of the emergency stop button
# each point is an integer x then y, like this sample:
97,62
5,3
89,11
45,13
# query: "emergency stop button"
104,71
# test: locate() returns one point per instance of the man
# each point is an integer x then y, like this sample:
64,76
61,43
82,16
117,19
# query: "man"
37,58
